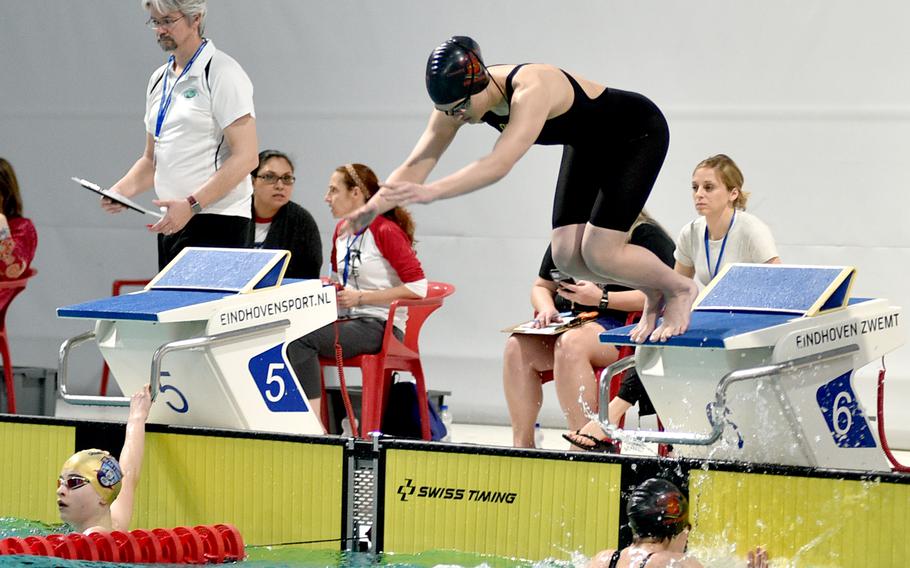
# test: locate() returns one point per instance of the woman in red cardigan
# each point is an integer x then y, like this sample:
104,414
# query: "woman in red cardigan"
18,238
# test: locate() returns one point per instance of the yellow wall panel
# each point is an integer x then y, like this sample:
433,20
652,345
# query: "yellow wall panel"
32,456
273,491
501,505
810,521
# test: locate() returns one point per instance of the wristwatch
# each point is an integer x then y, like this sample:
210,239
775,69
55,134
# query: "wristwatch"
604,301
194,205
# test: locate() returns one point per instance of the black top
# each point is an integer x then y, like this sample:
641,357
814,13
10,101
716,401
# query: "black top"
645,235
586,118
614,560
294,229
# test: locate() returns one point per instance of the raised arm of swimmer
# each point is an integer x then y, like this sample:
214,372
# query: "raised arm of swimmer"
131,459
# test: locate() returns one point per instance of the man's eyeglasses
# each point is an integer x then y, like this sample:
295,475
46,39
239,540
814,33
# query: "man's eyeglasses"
463,106
72,482
271,178
154,23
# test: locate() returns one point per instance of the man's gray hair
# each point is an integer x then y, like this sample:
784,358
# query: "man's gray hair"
189,8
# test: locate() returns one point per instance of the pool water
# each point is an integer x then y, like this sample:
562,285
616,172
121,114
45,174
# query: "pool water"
279,556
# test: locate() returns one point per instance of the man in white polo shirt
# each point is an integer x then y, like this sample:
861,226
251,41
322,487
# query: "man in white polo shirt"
200,137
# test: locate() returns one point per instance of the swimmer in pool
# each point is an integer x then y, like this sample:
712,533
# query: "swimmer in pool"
95,492
659,517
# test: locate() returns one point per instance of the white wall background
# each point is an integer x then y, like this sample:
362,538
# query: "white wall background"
812,98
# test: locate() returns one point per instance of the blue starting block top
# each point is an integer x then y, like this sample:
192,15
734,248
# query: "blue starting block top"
195,276
142,306
229,270
706,329
748,297
778,288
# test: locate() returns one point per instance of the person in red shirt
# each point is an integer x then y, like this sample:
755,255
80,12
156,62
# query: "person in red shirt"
18,238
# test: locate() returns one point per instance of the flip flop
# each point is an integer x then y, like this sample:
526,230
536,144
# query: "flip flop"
597,445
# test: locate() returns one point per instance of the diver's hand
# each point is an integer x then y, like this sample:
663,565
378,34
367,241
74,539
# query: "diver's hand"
406,192
358,219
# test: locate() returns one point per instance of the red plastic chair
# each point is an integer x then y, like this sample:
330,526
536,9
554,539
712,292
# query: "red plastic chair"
115,290
15,287
395,356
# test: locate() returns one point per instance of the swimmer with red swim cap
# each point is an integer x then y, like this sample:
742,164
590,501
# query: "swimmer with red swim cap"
614,143
94,490
659,518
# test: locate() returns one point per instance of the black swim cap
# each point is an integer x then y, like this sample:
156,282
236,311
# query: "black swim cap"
657,508
455,70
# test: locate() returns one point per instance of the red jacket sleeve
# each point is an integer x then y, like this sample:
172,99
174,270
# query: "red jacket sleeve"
394,245
334,258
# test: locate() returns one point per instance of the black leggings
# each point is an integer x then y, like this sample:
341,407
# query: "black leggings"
606,179
357,336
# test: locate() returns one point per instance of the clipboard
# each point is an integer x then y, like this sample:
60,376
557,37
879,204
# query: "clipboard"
568,322
116,197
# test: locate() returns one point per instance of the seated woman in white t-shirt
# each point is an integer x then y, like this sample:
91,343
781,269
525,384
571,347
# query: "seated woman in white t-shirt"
731,234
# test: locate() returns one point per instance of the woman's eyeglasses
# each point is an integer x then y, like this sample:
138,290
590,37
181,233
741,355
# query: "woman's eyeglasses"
72,482
271,178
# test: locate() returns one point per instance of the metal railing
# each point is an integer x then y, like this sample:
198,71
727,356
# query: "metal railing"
717,409
194,343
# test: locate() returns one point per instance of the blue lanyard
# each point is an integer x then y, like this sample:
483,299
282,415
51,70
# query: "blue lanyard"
723,245
347,256
166,101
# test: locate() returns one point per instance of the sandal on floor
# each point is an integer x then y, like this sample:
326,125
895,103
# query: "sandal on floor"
597,445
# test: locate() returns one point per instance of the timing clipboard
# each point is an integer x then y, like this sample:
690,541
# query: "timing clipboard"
115,197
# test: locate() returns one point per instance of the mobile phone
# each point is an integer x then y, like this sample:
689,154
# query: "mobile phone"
561,278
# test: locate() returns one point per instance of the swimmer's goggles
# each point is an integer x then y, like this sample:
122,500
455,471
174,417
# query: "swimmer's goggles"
72,482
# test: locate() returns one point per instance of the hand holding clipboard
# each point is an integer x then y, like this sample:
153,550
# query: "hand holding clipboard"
116,197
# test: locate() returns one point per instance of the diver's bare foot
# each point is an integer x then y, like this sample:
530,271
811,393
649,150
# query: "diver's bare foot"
653,305
678,311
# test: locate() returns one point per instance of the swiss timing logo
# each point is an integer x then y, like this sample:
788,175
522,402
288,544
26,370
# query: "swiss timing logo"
407,489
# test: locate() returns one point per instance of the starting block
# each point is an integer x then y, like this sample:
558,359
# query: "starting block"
209,334
765,371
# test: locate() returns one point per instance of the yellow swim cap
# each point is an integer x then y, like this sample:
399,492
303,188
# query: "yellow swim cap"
101,470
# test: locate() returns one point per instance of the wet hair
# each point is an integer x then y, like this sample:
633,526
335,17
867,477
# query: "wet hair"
363,178
189,8
455,70
657,509
730,175
9,190
267,155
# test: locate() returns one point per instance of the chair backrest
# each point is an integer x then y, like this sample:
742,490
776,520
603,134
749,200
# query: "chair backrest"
418,311
14,287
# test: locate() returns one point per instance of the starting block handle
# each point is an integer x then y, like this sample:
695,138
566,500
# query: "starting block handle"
155,374
208,341
63,376
718,407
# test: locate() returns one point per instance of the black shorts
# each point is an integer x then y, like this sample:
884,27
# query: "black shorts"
606,178
205,230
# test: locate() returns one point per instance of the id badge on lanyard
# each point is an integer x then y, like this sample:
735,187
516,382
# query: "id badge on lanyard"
166,95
